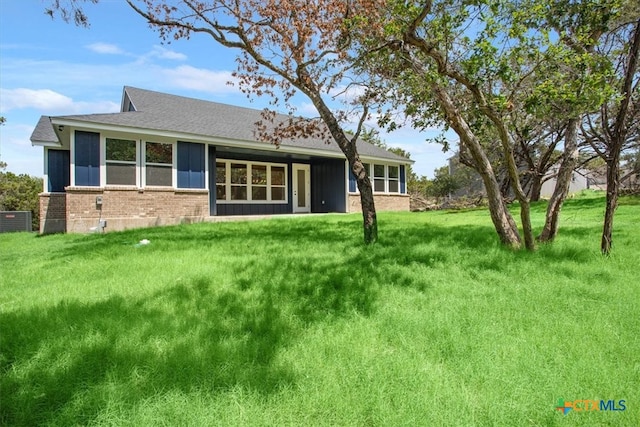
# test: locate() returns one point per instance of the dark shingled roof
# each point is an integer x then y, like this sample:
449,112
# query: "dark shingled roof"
44,131
158,111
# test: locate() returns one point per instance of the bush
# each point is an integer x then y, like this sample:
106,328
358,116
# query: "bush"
20,193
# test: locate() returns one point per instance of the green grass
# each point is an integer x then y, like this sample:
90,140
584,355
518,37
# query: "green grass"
295,322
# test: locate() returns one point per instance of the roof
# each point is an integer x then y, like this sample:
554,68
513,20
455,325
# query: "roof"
156,111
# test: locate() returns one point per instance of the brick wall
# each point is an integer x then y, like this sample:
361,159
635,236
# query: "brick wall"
124,207
53,211
384,202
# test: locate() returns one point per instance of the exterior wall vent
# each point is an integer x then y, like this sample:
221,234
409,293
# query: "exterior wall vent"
15,221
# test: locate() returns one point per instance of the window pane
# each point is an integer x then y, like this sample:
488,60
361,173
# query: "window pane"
238,174
277,193
393,172
378,185
221,173
121,150
238,193
158,153
159,176
121,174
277,175
259,174
259,193
367,167
221,192
378,171
393,186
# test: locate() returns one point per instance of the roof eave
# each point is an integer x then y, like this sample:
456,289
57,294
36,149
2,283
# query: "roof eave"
234,143
36,143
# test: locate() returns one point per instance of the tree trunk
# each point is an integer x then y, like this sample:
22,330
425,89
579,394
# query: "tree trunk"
563,181
618,136
613,186
536,187
369,217
502,219
350,151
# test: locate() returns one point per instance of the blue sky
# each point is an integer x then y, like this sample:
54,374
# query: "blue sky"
49,67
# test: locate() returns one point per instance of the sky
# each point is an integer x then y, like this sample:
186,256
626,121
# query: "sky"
49,67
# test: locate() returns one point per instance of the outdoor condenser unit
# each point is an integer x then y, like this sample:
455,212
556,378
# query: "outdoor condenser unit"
15,221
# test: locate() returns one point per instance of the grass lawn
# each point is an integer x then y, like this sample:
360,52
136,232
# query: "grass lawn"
295,322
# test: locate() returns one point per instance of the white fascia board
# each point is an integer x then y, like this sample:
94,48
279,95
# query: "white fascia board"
385,160
46,143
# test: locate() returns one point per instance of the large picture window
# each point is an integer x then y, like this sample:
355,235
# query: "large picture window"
121,162
250,182
158,164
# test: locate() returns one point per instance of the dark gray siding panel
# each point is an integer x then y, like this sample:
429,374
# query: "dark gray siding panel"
252,209
213,209
328,186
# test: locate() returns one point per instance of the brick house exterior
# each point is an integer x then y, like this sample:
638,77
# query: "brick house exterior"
166,159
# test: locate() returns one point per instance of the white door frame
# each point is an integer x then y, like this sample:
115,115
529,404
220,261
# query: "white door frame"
301,204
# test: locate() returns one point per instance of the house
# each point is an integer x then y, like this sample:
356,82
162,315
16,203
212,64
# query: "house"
166,159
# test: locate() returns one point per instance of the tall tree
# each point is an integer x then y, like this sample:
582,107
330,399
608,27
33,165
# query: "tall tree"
615,126
284,47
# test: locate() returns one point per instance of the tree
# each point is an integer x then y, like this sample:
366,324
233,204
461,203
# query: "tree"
615,126
443,183
284,47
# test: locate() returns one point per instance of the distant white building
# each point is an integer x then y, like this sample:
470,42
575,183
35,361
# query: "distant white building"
579,182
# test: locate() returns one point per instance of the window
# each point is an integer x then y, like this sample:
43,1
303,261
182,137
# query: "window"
393,179
384,178
221,181
278,179
121,162
378,178
238,181
158,164
258,182
251,182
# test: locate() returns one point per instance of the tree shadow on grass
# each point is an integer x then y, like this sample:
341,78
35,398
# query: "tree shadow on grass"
63,364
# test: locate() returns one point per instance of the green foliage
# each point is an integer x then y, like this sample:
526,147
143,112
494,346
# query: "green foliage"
294,322
20,193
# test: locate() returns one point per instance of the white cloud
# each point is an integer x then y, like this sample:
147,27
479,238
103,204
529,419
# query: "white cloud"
164,53
40,99
106,48
50,102
188,77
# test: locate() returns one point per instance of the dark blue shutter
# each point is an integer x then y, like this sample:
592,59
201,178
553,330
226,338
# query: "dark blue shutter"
190,165
352,181
403,180
57,170
87,158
